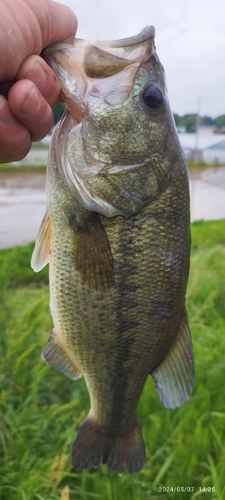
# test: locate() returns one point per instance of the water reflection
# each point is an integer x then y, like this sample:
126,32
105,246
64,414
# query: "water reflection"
22,201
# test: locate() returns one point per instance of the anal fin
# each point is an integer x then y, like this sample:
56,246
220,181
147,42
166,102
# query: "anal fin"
41,253
55,355
174,377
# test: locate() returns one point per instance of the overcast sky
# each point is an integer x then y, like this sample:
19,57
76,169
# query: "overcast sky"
190,42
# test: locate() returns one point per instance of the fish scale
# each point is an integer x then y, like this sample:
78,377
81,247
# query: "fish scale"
117,239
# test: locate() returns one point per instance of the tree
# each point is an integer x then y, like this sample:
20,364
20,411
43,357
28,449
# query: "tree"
220,121
207,120
187,121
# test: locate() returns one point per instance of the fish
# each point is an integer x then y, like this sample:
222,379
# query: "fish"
116,236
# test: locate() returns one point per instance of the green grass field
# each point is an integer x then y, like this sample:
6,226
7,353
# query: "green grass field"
40,409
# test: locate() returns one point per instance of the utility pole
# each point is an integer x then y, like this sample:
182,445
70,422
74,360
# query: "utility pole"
197,124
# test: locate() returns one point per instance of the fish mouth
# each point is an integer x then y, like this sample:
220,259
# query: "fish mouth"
109,66
146,34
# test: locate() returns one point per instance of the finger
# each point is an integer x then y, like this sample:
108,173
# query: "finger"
35,69
61,25
27,27
30,108
15,140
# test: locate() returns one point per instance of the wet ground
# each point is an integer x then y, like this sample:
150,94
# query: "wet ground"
22,201
22,206
207,190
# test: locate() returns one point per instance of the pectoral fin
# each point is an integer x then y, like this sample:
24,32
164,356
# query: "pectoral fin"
41,253
92,253
56,356
174,377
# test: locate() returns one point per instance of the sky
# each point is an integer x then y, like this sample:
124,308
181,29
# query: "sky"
190,42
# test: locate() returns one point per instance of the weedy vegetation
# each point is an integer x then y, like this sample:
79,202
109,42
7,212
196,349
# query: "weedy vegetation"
40,409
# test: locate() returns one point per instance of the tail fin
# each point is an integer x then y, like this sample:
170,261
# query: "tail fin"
93,447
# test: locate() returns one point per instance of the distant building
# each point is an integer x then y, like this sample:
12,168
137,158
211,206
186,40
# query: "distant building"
219,130
181,130
207,146
215,153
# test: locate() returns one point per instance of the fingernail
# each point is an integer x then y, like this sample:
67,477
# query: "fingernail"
32,103
6,115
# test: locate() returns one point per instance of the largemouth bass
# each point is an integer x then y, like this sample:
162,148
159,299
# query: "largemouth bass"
116,237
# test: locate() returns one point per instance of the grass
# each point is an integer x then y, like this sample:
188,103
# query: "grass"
40,409
193,164
12,166
39,145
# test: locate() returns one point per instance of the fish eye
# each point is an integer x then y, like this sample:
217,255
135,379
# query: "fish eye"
152,97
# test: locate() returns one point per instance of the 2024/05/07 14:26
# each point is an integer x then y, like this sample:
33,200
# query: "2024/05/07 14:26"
183,489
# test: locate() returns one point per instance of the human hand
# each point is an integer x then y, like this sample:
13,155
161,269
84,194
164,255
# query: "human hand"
26,28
